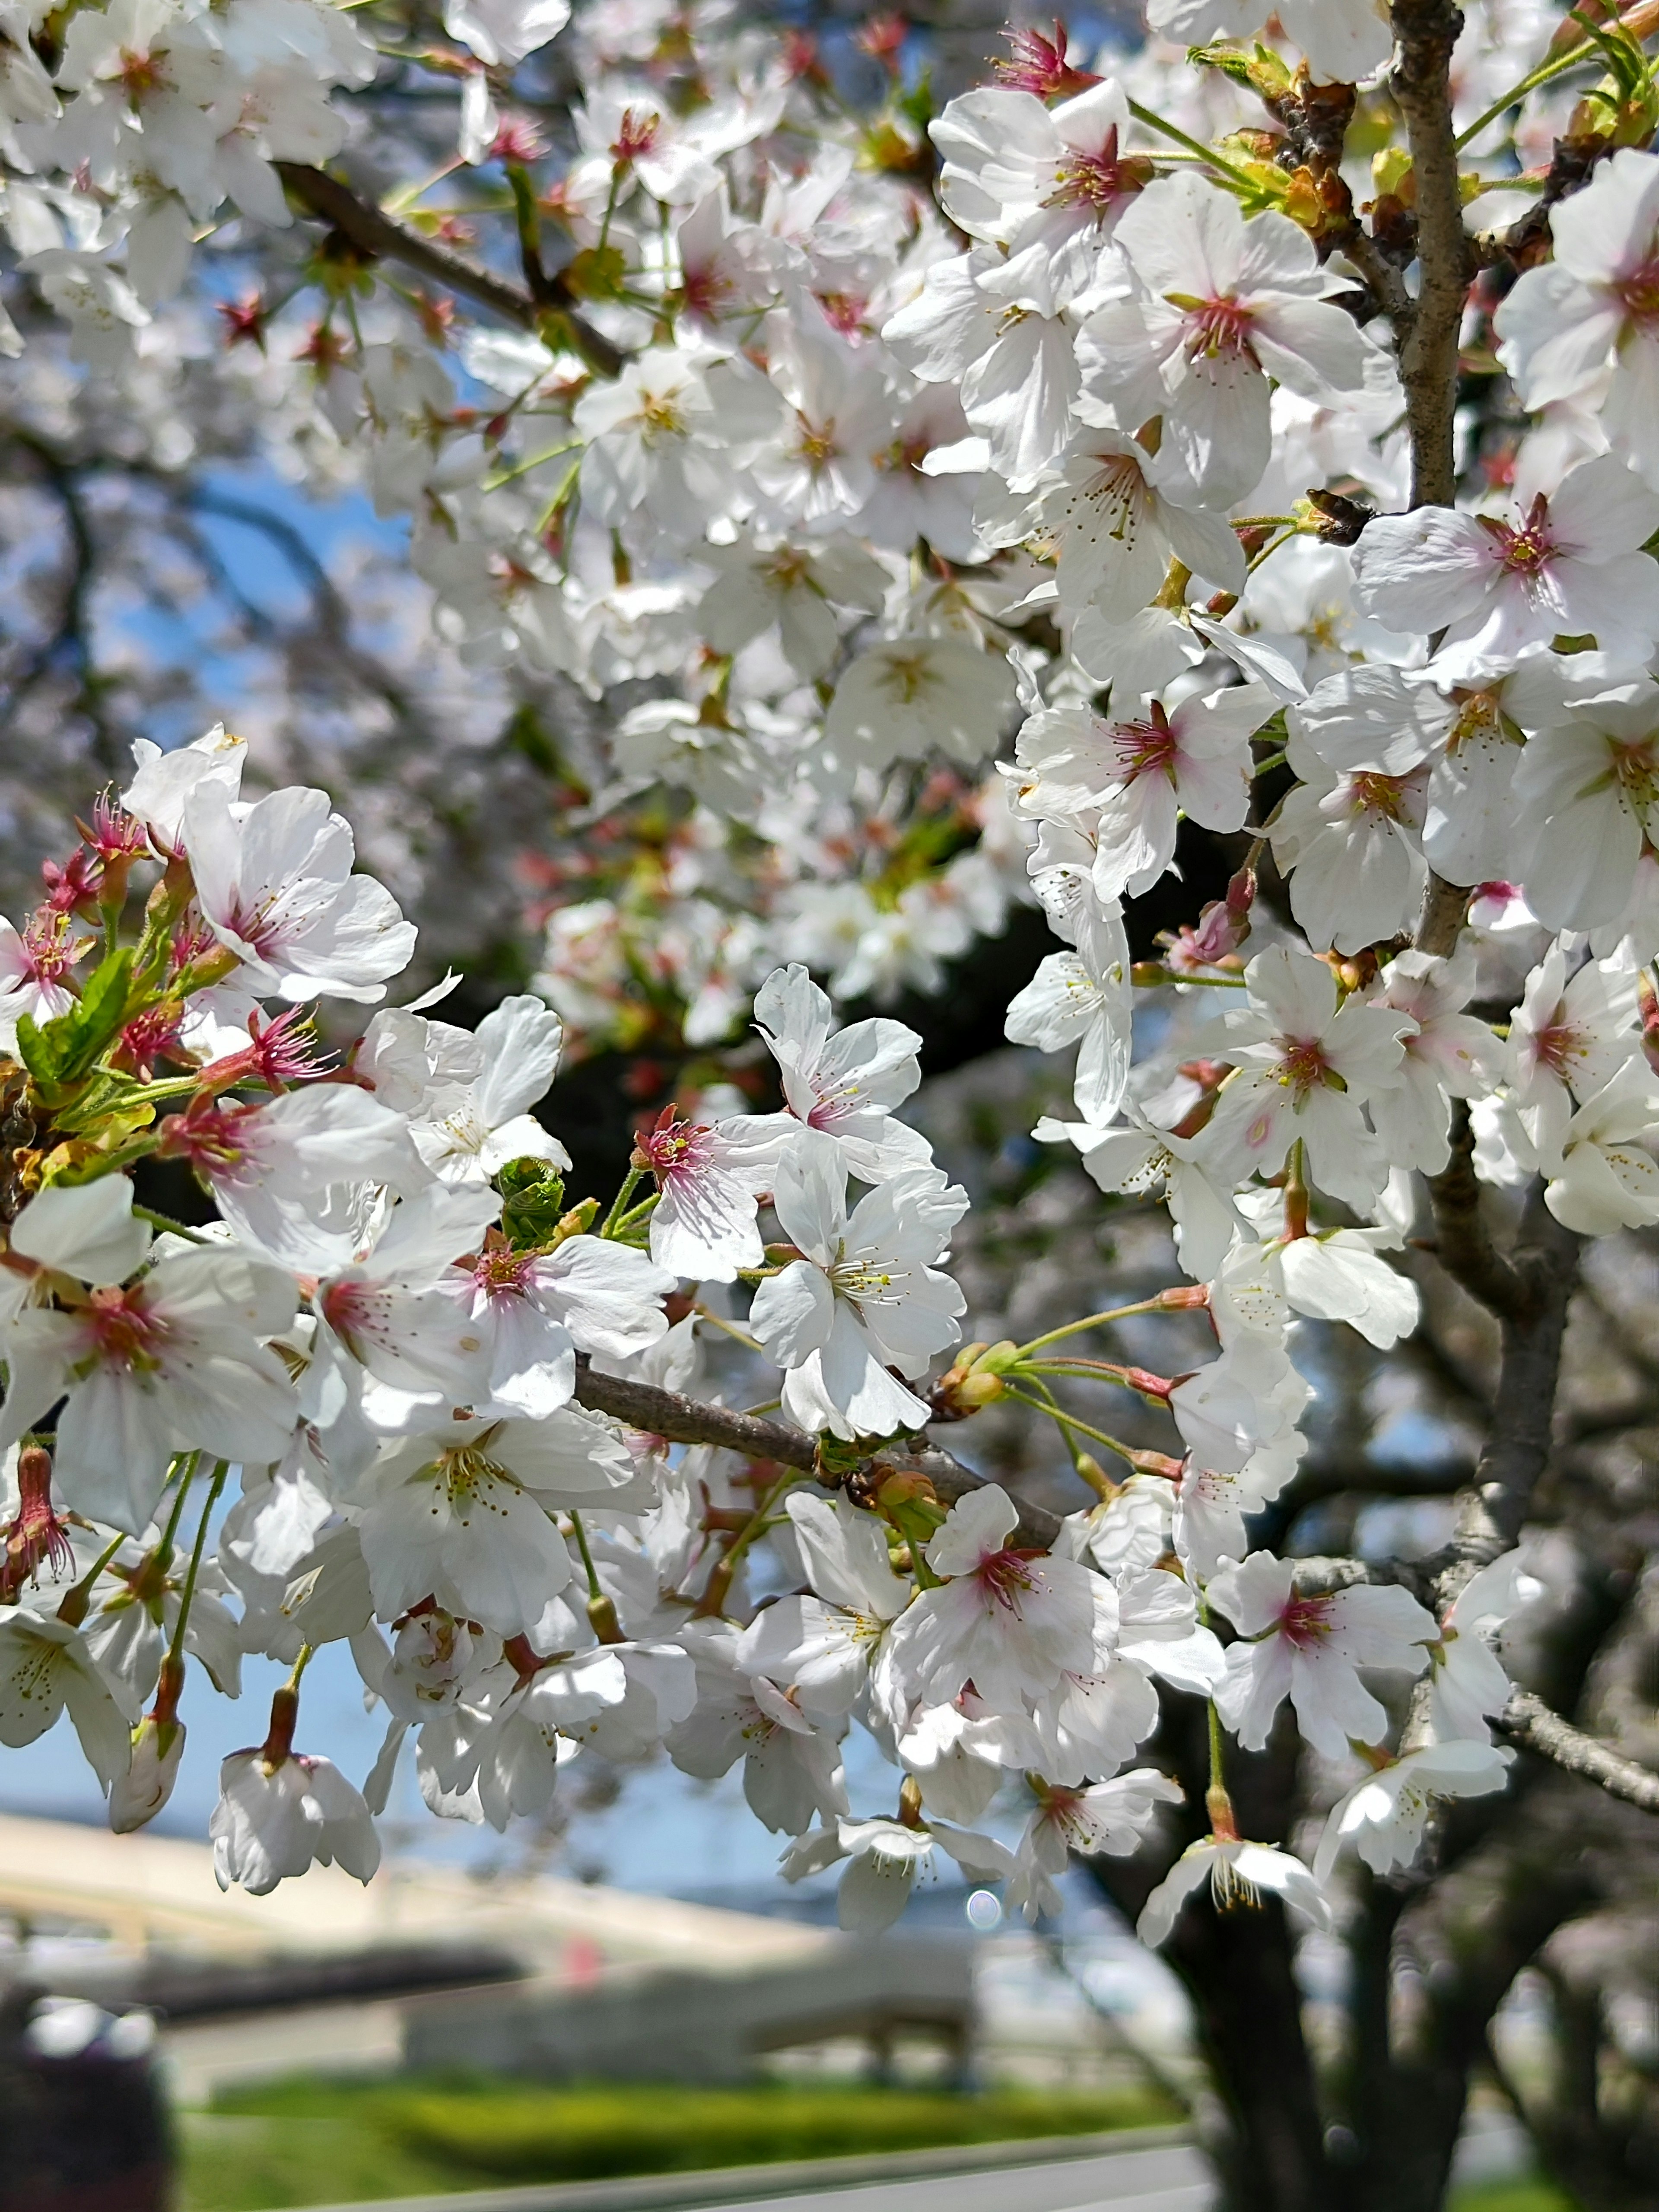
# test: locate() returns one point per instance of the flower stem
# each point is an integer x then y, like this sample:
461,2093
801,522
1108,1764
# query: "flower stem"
166,1221
613,1220
1165,1302
187,1595
72,1605
1155,122
187,1477
1542,75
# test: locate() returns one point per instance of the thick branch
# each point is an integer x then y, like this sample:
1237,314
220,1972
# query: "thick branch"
685,1420
376,233
1426,32
1463,1244
1528,1721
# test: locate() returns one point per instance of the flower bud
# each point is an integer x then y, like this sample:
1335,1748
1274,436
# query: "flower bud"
139,1794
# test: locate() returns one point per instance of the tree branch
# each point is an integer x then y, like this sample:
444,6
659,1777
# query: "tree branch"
1528,1722
1462,1243
685,1420
376,233
1426,33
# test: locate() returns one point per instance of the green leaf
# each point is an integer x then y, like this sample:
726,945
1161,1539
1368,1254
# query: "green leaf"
62,1050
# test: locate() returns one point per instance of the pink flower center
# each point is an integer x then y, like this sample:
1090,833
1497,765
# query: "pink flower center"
1004,1577
1146,748
1553,1048
679,1149
636,134
1529,550
123,1334
1639,291
49,950
707,290
1097,180
1216,329
501,1273
1303,1067
1306,1621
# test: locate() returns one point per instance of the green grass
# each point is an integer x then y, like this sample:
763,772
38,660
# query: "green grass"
1512,2197
312,2141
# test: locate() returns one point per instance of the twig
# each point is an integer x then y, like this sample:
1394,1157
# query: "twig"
1426,33
1528,1722
377,233
688,1421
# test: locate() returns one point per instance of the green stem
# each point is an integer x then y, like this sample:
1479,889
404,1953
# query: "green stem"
72,1605
613,1220
739,1336
523,468
1530,82
187,1595
187,1475
166,1221
588,1567
1091,1320
307,1653
1193,146
1058,1413
1218,1780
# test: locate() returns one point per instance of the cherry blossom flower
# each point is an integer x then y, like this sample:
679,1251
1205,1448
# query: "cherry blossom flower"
1309,1650
1048,184
1009,1623
1109,1817
821,1649
792,1768
464,1514
981,325
275,1819
886,1858
1116,533
173,1362
795,588
866,1296
709,1177
1384,1817
34,963
1585,792
1350,839
1237,1872
1572,565
1139,1158
275,887
1137,776
164,781
844,1082
1449,1054
519,1043
1082,998
271,1168
918,694
1210,306
1305,1064
1607,1177
1568,1039
531,1310
1469,1685
1343,39
1594,308
45,1670
382,1319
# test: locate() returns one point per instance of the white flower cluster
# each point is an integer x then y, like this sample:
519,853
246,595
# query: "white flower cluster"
839,495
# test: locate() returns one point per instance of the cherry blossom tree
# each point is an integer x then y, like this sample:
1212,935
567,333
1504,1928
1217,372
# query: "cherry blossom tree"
905,539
